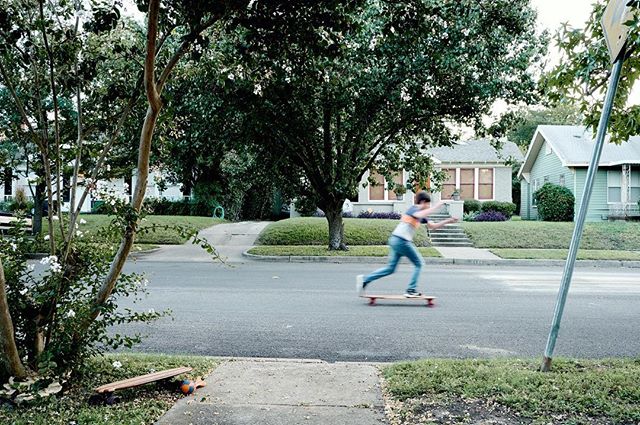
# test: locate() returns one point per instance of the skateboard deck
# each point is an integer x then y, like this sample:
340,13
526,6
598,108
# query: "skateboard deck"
143,379
372,298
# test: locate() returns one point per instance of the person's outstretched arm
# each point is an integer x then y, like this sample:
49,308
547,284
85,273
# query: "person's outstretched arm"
428,211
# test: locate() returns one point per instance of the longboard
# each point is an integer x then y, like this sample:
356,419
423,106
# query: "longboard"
372,298
105,392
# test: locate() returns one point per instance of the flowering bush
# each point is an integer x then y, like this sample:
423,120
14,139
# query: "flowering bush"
50,299
380,215
490,216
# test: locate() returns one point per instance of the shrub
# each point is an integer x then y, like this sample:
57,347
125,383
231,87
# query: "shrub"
505,208
470,216
490,216
306,206
471,205
555,203
380,215
163,206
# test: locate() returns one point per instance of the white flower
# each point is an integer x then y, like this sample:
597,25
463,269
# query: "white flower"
56,267
71,314
55,218
117,365
24,291
31,267
251,3
404,95
79,233
83,221
257,90
151,311
112,202
108,167
231,77
13,246
47,237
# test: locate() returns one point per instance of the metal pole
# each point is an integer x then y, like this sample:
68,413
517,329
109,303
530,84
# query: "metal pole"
582,211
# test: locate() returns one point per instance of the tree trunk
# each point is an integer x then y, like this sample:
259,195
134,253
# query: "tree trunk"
10,354
38,205
336,227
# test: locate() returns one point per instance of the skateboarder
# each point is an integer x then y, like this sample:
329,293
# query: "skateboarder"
401,243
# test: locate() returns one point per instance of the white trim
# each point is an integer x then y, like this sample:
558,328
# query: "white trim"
476,172
457,178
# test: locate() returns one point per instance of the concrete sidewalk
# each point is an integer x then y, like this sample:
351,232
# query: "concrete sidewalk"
229,239
284,392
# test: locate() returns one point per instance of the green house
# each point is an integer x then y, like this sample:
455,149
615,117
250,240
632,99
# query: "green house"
560,154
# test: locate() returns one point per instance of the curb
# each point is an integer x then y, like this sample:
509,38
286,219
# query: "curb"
451,261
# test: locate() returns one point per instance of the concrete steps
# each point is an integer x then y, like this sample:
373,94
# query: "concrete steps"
450,235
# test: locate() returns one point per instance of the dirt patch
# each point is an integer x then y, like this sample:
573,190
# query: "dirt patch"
450,410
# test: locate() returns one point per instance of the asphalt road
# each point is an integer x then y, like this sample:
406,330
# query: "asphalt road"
312,311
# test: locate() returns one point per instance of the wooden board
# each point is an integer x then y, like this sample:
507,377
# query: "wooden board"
144,379
372,298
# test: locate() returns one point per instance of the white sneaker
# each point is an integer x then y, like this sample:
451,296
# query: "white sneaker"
360,284
412,294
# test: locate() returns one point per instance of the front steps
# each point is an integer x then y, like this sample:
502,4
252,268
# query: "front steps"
450,235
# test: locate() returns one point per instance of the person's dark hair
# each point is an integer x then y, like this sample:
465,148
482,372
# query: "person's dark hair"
422,197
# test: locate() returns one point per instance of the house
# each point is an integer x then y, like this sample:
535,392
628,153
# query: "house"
20,178
474,168
560,154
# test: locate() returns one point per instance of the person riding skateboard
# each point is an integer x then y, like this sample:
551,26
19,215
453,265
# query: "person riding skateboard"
401,243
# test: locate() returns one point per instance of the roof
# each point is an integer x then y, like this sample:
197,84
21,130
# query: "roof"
476,151
574,147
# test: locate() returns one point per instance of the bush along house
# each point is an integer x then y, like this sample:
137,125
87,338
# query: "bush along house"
560,154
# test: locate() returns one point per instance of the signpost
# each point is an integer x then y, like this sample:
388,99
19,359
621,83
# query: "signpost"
616,34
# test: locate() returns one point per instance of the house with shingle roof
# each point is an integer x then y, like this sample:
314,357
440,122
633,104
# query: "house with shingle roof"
474,168
560,154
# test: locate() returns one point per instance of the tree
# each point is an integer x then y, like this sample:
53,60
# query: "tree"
582,76
46,41
367,85
526,120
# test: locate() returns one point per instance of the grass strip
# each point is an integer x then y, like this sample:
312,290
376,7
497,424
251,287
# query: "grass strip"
316,251
561,254
575,391
140,405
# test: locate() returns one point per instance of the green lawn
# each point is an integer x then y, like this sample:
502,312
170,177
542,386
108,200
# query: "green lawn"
561,254
142,405
315,231
316,250
548,235
574,392
159,237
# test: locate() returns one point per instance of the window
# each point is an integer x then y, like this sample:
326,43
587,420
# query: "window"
635,186
561,180
535,188
614,186
380,191
449,184
376,190
398,180
467,185
485,183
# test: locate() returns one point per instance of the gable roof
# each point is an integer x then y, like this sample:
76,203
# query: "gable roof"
475,151
573,145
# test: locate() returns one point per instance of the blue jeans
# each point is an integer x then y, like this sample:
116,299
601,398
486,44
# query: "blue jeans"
399,248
